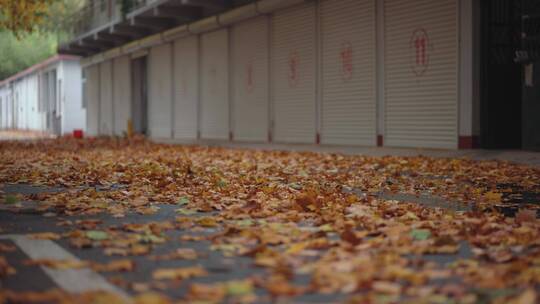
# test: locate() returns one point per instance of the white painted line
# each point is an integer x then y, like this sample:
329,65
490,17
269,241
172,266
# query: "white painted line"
71,280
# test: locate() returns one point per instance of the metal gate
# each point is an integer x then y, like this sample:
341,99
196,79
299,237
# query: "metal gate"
294,74
122,94
421,73
92,100
348,72
139,95
250,60
160,92
106,98
215,85
186,82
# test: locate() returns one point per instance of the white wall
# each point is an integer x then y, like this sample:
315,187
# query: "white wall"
73,113
3,107
21,99
121,94
160,91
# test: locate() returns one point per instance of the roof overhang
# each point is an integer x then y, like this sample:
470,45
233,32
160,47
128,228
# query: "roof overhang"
156,17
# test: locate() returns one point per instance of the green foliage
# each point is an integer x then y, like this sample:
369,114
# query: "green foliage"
11,199
22,47
18,54
23,16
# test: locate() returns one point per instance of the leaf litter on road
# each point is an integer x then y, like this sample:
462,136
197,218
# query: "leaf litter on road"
292,214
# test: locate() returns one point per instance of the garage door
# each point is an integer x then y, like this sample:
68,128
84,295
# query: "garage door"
105,98
92,100
421,67
348,59
160,92
122,94
250,80
186,77
294,74
215,85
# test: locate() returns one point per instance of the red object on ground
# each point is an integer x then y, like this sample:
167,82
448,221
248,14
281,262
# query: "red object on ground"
78,133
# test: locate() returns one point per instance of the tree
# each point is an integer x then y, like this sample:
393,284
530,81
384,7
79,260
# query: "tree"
23,16
16,54
30,31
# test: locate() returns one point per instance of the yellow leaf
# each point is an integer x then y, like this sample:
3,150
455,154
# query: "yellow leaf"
179,273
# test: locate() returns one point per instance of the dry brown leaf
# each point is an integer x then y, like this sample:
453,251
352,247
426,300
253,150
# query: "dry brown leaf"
116,265
179,273
44,236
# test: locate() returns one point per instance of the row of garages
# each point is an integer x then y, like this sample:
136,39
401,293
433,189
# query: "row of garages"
45,97
20,108
345,72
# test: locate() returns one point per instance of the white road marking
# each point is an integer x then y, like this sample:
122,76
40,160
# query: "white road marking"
71,280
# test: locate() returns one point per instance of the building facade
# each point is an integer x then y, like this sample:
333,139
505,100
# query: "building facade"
45,97
397,73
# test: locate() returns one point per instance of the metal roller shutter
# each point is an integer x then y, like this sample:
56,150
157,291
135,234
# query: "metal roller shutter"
294,74
105,98
250,79
215,85
122,94
421,73
92,100
160,92
349,72
186,76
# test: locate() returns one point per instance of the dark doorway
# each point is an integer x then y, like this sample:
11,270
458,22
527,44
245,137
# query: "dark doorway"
501,75
139,108
530,59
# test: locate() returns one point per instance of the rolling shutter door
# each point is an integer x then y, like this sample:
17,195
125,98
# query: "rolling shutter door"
92,100
294,74
106,105
215,85
186,76
421,68
250,80
160,92
348,65
122,94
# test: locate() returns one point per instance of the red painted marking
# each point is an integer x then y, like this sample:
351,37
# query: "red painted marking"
346,55
293,69
421,45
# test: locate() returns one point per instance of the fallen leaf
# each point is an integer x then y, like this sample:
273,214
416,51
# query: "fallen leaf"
207,222
151,298
420,234
493,197
11,199
116,265
7,248
44,236
97,235
239,288
5,268
179,273
525,215
57,264
386,287
178,254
